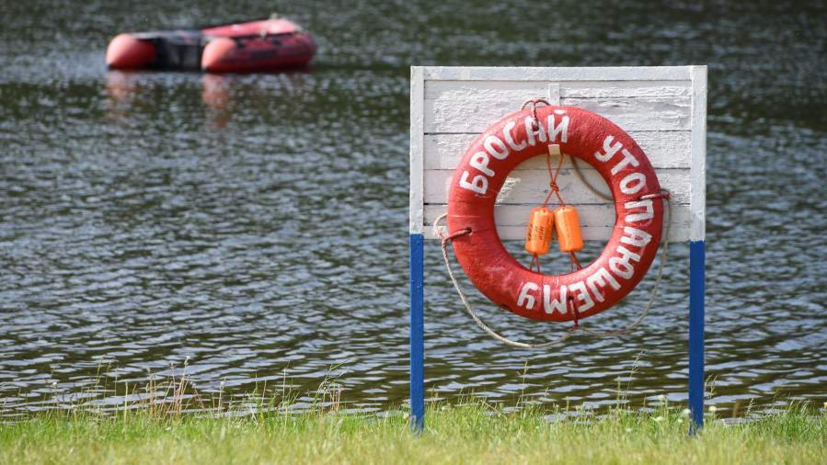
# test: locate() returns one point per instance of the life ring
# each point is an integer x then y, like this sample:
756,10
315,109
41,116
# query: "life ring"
623,165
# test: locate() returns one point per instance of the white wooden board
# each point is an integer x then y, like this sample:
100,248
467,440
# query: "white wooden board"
662,108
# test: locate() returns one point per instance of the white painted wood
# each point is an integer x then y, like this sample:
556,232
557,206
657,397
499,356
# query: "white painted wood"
463,106
527,73
661,107
417,145
532,186
553,94
665,149
615,89
698,185
472,106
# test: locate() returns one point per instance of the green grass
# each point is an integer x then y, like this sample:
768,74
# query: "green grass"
470,433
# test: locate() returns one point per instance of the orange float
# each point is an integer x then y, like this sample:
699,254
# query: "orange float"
568,229
539,231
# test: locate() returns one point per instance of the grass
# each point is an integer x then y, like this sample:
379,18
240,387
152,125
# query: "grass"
167,420
473,432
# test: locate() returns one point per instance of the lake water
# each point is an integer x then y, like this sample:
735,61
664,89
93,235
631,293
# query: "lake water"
256,226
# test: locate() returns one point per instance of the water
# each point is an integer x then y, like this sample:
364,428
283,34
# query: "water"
257,225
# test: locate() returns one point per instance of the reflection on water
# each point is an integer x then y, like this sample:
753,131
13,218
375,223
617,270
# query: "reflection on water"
216,96
120,87
123,90
256,224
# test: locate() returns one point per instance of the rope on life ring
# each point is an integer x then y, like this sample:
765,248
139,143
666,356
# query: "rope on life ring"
481,175
446,239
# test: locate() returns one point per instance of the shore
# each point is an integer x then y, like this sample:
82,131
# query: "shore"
471,433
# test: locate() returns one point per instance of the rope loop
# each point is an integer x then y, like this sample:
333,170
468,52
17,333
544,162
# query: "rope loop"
578,326
456,234
533,102
450,236
520,345
665,195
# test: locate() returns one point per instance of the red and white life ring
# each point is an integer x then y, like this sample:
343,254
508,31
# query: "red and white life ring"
622,164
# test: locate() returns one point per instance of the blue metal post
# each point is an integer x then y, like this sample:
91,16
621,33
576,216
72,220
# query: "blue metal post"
697,261
417,245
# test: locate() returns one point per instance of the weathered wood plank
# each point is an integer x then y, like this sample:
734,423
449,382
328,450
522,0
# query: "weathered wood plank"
579,89
417,149
665,149
490,90
531,186
461,107
528,73
476,114
698,187
471,106
658,113
615,89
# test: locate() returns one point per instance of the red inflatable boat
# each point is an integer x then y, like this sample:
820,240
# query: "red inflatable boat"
268,45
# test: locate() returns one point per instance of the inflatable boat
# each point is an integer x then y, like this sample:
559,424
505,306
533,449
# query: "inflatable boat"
256,46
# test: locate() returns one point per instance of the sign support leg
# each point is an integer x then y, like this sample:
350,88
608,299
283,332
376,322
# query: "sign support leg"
417,332
697,261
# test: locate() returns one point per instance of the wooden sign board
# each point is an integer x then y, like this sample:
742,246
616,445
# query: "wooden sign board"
662,108
657,106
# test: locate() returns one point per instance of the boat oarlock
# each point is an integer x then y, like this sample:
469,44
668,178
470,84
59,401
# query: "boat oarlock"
587,290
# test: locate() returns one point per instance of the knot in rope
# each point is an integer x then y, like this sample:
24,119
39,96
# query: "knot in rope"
553,185
553,174
535,124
